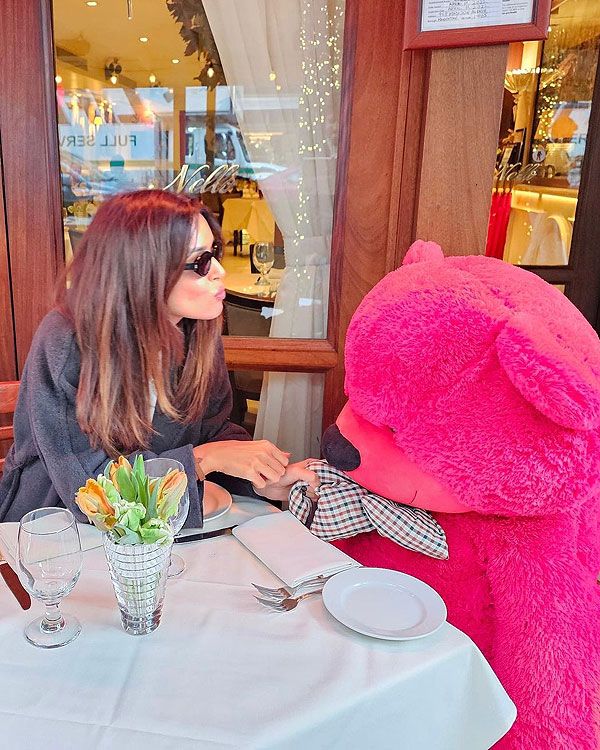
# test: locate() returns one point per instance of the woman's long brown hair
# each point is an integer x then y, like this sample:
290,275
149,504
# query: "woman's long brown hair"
124,269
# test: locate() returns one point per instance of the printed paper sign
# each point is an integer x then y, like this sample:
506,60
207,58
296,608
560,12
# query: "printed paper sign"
439,15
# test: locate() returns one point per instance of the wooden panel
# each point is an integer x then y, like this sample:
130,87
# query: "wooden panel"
378,163
279,355
459,150
8,368
30,163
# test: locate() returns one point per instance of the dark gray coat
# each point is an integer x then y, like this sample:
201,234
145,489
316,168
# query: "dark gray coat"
51,457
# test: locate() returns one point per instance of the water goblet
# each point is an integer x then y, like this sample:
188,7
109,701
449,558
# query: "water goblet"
263,257
158,467
49,560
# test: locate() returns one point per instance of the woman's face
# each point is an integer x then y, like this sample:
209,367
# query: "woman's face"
193,296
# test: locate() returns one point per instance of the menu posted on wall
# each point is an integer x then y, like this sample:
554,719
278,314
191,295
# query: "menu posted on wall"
431,24
441,15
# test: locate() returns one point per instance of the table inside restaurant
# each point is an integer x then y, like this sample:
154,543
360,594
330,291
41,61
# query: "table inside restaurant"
223,671
244,283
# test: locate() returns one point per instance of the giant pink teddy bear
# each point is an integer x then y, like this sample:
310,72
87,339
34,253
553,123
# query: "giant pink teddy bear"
474,392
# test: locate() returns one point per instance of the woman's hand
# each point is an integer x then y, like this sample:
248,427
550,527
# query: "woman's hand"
259,461
280,489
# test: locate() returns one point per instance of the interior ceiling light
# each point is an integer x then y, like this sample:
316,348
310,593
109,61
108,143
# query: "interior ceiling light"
113,79
91,3
210,71
174,61
58,79
152,78
143,39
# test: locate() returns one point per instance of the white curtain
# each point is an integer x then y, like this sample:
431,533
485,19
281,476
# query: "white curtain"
301,42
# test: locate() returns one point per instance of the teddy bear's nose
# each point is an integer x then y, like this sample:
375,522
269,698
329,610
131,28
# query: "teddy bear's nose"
338,451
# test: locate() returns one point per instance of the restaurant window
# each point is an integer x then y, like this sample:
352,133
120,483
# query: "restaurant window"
543,137
239,101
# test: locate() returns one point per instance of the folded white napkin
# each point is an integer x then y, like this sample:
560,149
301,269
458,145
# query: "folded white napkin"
287,547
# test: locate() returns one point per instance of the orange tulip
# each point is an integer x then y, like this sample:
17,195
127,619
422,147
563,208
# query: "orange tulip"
120,463
170,492
93,500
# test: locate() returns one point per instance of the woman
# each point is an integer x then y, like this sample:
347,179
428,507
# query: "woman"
131,360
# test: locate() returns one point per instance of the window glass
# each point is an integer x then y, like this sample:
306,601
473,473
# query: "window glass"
238,102
544,127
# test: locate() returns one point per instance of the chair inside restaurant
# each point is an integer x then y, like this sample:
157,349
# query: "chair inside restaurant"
246,316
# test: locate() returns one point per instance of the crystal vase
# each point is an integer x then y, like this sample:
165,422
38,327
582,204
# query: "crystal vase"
139,576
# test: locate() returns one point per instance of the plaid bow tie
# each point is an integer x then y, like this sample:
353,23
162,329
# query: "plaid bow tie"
345,509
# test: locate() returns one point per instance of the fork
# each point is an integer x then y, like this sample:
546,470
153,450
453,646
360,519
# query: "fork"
285,605
285,593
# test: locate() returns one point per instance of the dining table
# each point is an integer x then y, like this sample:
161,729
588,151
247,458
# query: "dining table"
223,671
244,283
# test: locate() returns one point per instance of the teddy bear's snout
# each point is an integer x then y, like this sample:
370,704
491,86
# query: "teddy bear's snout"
338,451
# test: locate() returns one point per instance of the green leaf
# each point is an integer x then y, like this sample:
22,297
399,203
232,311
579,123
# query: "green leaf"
138,468
130,537
143,491
151,506
107,469
128,490
156,531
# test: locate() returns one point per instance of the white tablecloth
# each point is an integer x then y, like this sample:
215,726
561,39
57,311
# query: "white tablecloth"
221,671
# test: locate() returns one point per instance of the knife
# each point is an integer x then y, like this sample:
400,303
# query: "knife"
14,584
204,535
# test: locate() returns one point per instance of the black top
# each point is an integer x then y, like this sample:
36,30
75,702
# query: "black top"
51,457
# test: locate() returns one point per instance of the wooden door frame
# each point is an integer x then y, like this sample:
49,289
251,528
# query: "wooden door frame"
30,165
8,364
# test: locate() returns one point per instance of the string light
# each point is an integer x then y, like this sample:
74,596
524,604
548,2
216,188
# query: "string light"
321,51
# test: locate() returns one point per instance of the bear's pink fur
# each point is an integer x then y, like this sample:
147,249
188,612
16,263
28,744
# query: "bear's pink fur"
485,381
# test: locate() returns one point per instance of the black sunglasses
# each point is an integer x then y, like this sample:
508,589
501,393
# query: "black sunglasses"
201,265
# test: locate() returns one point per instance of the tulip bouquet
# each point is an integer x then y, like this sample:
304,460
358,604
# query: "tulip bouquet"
130,506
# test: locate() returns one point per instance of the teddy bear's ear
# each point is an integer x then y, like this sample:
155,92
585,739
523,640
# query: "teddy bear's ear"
558,382
421,251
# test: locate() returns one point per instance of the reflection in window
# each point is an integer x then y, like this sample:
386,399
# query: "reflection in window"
187,93
547,102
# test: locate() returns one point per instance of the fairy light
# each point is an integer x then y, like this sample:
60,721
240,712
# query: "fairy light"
548,101
321,52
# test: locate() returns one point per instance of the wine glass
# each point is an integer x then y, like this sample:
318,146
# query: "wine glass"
263,257
158,467
49,558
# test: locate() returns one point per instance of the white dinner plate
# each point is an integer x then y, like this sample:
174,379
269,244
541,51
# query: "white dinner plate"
384,603
216,501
